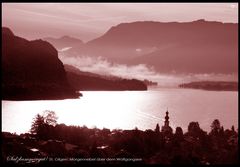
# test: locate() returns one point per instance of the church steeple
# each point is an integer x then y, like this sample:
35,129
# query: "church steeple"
166,128
166,119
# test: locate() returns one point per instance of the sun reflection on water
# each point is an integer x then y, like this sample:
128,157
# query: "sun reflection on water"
128,109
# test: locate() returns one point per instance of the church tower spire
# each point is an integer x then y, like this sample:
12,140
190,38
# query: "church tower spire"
166,123
166,128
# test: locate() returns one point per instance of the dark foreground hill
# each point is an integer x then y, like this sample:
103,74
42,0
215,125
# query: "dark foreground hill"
31,70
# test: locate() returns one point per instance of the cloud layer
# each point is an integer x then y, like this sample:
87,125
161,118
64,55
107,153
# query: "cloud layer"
141,71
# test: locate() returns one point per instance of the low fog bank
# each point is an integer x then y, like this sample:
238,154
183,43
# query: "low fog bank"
102,66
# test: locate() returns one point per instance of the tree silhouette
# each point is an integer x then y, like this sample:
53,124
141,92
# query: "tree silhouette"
193,127
42,124
37,124
179,133
157,129
195,131
50,117
216,125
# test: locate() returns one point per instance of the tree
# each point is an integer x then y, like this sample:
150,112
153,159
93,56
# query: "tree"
193,127
157,129
179,133
216,125
233,128
178,137
42,124
195,131
37,124
50,117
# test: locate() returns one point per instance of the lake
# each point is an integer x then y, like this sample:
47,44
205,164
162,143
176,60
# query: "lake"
129,109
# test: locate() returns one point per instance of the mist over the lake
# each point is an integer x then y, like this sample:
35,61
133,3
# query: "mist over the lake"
103,66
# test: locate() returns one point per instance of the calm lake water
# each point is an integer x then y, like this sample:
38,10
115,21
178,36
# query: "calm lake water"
129,109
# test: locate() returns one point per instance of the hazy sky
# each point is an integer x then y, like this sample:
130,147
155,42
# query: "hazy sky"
90,20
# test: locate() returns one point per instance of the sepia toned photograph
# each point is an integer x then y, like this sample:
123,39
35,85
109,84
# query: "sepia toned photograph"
119,83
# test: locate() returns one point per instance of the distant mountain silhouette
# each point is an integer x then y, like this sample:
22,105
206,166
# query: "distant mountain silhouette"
63,42
191,47
211,85
32,70
89,81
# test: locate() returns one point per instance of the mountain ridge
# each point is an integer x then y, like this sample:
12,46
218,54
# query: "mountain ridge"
128,43
63,41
